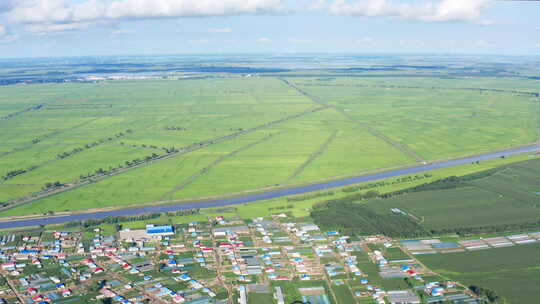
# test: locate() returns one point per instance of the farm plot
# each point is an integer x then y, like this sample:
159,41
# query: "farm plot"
257,133
499,200
435,123
512,272
462,207
506,197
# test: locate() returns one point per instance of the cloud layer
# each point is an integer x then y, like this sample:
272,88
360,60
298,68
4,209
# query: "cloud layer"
64,11
44,16
431,11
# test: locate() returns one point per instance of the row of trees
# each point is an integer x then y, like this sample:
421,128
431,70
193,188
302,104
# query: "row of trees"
357,219
127,164
13,173
499,228
125,219
52,185
450,182
309,196
92,145
401,180
489,294
175,128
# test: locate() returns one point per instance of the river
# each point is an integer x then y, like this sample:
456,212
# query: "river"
265,195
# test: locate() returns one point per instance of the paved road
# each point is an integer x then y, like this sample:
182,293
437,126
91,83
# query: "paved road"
265,195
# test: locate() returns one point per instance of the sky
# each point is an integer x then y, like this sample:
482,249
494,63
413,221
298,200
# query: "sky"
49,28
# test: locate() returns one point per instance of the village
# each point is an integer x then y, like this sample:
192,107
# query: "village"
221,260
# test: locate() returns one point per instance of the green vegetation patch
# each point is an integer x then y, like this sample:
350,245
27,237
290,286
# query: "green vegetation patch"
512,272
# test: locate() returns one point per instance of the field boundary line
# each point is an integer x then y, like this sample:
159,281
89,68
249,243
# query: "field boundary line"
31,109
524,93
313,156
46,136
216,162
399,146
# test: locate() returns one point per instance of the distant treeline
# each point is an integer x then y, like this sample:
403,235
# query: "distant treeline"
124,219
450,182
356,219
92,145
309,196
34,108
175,128
13,173
349,216
397,181
490,295
487,229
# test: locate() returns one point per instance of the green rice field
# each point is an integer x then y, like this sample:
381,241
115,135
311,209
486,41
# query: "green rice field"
507,197
512,272
277,132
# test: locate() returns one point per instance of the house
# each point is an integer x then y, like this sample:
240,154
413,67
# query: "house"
243,295
279,296
159,230
402,297
8,266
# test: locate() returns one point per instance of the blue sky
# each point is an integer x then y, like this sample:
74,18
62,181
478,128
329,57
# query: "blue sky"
42,28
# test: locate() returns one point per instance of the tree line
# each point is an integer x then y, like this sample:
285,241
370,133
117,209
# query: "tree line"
92,145
355,219
347,215
309,196
489,294
450,182
401,180
123,219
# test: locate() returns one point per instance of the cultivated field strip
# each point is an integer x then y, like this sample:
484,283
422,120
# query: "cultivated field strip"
529,94
12,115
58,158
313,156
46,136
81,183
216,162
401,147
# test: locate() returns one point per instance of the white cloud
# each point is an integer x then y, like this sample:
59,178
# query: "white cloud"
431,11
318,5
199,41
486,22
365,40
299,41
482,44
537,45
122,32
64,11
5,36
6,5
45,28
8,38
264,40
220,30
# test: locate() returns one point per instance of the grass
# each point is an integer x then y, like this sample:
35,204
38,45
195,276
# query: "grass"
511,272
493,201
433,123
507,197
164,114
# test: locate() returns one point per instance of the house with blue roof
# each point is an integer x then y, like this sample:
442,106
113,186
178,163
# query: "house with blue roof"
159,230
